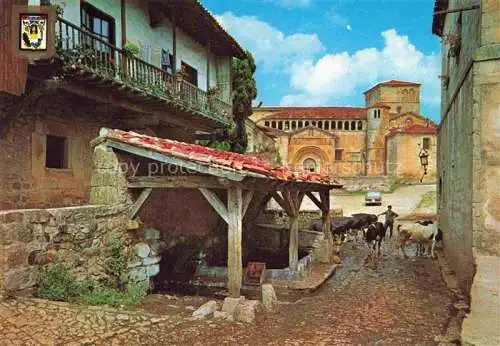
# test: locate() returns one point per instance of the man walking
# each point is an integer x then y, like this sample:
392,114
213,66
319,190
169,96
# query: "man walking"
389,219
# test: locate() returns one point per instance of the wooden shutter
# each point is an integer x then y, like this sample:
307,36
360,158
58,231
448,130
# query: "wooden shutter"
13,68
224,77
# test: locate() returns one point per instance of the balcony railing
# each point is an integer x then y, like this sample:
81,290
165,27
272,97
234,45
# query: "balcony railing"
82,50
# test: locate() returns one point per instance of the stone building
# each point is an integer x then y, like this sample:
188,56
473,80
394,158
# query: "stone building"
382,138
118,69
469,156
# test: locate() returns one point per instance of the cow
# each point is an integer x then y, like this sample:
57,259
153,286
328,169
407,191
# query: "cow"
341,225
363,220
421,235
374,235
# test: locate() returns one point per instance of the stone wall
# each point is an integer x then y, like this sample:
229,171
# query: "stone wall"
382,184
469,155
406,165
76,236
280,218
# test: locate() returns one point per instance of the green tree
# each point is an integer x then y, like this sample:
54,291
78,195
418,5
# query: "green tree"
244,92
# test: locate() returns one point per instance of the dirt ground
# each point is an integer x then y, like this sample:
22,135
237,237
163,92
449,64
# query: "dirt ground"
392,302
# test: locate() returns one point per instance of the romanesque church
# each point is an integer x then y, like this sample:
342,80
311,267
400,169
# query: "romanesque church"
383,138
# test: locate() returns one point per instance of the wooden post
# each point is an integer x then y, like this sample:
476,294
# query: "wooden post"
208,65
234,260
293,246
123,23
174,42
291,203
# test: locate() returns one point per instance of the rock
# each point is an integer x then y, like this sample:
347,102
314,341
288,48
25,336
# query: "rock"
142,250
230,304
190,308
138,274
222,315
132,225
268,297
337,260
151,260
134,264
206,309
152,234
153,270
245,311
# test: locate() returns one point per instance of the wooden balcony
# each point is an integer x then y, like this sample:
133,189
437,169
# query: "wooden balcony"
86,56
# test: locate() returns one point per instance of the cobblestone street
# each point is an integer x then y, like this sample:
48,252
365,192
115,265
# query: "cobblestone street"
396,302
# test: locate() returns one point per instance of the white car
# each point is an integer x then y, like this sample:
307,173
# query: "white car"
373,198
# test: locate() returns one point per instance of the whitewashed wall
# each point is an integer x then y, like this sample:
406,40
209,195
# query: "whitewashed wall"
152,40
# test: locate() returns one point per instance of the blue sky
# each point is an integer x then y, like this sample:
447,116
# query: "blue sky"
327,52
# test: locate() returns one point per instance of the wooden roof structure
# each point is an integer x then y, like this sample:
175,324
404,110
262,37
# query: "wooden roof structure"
240,175
197,22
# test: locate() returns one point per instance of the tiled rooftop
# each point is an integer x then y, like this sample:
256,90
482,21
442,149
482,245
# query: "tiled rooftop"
244,164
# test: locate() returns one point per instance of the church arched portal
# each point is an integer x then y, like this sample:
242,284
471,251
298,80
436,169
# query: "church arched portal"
309,155
310,164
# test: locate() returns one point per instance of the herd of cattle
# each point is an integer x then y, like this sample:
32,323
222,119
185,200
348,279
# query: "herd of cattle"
424,234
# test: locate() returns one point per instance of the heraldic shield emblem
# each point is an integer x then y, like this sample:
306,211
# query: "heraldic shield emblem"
33,35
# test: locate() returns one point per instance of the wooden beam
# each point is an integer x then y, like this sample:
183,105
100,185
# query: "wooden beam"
181,182
123,22
174,42
314,200
208,64
247,198
282,203
325,200
153,155
134,209
216,203
235,229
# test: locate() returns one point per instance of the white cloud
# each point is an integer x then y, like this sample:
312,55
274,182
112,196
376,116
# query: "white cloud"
291,3
336,18
334,76
272,48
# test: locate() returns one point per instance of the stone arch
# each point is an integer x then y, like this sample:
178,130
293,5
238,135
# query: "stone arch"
310,164
310,152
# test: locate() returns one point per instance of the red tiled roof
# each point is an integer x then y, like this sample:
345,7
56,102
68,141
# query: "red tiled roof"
379,105
415,129
318,113
244,164
393,82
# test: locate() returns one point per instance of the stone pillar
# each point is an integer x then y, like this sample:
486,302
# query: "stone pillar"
108,184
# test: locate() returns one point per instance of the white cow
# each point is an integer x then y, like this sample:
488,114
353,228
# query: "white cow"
421,235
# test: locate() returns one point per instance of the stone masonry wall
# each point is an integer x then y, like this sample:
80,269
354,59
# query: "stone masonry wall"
76,236
469,156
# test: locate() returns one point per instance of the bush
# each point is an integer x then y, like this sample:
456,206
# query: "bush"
59,283
116,262
110,296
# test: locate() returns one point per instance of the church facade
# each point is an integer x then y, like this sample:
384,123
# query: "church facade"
383,138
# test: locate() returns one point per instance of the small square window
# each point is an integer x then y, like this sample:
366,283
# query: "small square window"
338,154
426,143
56,152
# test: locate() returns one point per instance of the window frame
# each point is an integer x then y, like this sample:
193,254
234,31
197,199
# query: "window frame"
63,153
93,13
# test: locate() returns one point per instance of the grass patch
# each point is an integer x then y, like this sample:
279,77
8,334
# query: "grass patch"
428,200
110,296
60,284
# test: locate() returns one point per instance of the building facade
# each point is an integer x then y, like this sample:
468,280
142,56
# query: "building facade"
469,134
158,67
383,138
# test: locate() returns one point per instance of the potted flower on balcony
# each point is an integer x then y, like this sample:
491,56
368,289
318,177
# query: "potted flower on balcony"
181,74
213,92
130,49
